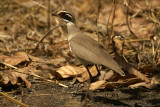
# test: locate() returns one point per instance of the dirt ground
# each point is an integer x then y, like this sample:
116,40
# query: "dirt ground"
50,95
24,23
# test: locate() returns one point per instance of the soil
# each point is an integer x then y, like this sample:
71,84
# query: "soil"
50,95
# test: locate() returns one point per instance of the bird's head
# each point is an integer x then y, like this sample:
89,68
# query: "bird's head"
65,16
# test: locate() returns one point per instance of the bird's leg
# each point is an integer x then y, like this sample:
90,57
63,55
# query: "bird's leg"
89,93
98,71
90,75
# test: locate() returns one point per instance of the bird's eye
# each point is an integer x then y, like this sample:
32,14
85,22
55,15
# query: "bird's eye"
62,14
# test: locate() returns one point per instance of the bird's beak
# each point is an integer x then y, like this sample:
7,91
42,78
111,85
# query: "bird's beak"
54,14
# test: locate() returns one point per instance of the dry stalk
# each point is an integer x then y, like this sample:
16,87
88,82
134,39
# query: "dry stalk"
135,40
98,12
44,38
49,13
112,21
127,19
39,4
13,100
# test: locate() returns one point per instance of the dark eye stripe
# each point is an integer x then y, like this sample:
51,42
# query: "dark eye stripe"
68,17
64,13
65,16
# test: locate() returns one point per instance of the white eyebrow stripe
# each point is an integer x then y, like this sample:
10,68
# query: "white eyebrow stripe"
65,20
69,15
62,11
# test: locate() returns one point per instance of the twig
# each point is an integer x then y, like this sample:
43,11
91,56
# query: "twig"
144,52
44,37
127,5
135,40
32,73
12,50
13,100
110,33
61,4
157,49
9,65
153,51
125,81
108,20
98,11
39,4
114,9
49,13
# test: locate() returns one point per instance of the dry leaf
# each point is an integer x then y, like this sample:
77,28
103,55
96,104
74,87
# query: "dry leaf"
119,81
119,78
96,85
17,58
106,75
155,79
69,71
4,77
154,82
137,85
13,75
37,59
85,75
23,74
107,86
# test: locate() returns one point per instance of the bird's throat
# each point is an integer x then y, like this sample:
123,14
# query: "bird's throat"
72,30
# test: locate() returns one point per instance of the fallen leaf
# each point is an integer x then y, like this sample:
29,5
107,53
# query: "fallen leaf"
96,85
155,81
69,71
12,77
108,86
23,74
106,75
4,77
137,85
17,58
85,75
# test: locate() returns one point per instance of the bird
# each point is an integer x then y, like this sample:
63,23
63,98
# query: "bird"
86,49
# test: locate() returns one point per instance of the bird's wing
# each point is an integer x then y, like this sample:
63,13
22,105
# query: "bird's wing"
87,49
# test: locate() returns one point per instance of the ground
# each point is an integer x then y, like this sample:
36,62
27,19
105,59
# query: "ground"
50,95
